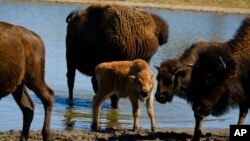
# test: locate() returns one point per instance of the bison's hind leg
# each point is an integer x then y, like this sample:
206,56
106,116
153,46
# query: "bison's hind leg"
26,104
46,95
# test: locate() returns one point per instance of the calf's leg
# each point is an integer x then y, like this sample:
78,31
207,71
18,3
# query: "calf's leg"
97,101
151,114
136,112
26,105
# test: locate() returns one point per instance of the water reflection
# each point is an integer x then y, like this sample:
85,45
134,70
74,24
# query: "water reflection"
48,20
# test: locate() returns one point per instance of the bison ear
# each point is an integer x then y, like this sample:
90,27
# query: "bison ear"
232,74
158,68
132,77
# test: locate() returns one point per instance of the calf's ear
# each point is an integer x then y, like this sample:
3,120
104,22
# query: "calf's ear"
132,77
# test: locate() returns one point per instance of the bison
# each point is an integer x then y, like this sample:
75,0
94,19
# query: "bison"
103,33
176,75
132,79
22,60
220,78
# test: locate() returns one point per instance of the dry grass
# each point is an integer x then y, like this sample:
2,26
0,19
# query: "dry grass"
213,3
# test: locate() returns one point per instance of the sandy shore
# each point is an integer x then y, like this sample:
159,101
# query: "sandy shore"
163,6
170,134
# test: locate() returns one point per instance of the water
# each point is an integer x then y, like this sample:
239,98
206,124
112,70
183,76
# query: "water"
48,20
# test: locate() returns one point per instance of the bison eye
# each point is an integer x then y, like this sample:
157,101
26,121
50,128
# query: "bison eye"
167,82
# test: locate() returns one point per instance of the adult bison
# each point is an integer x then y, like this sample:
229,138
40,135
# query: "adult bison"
220,79
174,74
176,77
22,60
103,33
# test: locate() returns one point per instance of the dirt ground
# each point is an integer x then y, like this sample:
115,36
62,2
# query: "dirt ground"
166,134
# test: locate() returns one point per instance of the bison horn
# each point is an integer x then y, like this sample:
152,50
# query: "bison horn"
223,63
190,65
157,67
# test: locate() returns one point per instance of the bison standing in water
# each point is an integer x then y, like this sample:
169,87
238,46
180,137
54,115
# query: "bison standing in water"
103,33
218,80
22,60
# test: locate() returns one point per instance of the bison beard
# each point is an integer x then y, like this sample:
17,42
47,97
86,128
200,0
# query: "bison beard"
104,33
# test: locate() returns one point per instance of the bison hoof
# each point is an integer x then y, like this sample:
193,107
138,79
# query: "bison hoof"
47,136
153,129
135,129
94,127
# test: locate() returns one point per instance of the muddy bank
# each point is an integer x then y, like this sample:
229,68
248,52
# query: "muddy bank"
122,134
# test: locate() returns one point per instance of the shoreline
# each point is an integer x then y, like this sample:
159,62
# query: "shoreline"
122,134
239,11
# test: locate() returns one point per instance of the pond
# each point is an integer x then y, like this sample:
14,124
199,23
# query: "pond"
48,20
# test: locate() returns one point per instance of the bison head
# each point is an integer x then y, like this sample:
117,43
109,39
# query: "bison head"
171,80
210,82
144,83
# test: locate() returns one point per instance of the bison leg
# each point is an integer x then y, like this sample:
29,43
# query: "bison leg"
114,101
26,105
97,101
198,126
70,78
242,114
151,114
46,95
114,98
136,112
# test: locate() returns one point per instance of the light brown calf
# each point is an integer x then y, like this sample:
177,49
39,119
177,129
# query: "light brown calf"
132,79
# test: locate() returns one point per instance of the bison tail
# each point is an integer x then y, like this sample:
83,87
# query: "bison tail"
69,17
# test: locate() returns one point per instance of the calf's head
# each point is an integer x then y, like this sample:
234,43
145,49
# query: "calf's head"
211,76
144,83
170,77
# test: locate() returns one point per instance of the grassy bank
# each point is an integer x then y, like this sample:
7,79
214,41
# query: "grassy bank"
219,6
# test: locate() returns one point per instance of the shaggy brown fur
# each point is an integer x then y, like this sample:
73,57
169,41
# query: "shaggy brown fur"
22,56
220,78
132,79
103,33
174,74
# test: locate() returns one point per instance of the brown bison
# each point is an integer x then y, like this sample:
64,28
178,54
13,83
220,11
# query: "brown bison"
103,33
177,77
22,60
132,79
174,74
220,78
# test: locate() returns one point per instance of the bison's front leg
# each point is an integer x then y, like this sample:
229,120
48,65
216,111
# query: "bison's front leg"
198,126
70,79
242,114
136,112
27,106
151,114
97,101
114,101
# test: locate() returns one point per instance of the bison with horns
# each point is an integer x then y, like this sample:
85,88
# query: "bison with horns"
212,76
104,33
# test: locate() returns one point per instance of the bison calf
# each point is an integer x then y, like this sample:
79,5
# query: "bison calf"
22,59
132,79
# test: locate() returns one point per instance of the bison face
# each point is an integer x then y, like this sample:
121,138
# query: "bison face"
209,81
170,82
144,84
